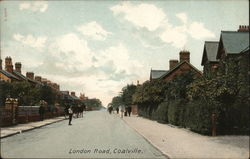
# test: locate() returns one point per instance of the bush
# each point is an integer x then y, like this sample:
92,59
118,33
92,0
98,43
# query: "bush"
233,118
174,111
198,116
160,114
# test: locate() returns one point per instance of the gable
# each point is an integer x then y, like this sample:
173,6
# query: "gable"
210,50
234,42
181,68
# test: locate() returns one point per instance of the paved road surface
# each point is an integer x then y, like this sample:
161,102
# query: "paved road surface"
96,135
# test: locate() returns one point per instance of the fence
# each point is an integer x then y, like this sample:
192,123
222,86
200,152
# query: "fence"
12,114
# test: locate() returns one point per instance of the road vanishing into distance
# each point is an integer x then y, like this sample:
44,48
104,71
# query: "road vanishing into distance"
96,135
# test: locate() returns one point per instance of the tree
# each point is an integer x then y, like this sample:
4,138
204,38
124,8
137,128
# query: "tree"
127,93
93,103
116,101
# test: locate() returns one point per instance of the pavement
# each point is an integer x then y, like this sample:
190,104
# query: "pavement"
178,143
20,128
97,135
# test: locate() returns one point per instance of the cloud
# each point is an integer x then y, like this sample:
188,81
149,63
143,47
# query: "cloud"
120,58
176,36
34,6
142,15
72,64
72,51
30,40
198,31
93,30
155,20
182,16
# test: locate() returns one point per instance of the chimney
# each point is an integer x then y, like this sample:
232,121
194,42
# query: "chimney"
30,75
73,93
1,64
184,56
172,64
49,83
8,64
18,67
38,78
243,28
44,80
138,83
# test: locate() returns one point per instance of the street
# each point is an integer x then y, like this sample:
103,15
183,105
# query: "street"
96,135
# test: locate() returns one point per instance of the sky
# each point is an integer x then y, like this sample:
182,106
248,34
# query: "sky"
98,47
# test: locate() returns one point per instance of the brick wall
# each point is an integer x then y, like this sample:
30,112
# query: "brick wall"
184,68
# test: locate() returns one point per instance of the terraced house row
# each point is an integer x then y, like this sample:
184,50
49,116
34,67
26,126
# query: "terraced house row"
14,74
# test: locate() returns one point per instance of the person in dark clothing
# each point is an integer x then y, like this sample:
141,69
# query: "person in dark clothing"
117,110
41,112
66,112
129,110
126,111
110,109
70,115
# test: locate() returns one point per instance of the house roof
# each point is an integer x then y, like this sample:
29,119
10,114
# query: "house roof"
154,74
177,66
65,93
20,75
210,51
10,75
234,42
245,50
75,97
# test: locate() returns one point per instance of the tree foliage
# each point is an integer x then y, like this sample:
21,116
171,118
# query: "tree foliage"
90,103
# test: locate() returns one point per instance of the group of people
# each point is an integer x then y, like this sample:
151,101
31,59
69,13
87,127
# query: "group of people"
124,111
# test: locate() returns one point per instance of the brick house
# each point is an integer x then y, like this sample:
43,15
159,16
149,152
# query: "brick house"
209,61
232,45
179,67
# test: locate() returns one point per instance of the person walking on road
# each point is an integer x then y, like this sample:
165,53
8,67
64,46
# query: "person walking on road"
129,110
70,114
122,108
41,112
117,110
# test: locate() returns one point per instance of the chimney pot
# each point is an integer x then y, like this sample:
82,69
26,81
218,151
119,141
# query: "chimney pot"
243,28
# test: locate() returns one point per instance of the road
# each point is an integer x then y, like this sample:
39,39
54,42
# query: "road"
96,135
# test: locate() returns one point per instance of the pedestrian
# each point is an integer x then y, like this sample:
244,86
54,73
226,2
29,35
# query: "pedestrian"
41,112
129,110
117,110
66,111
122,108
126,111
70,114
110,109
